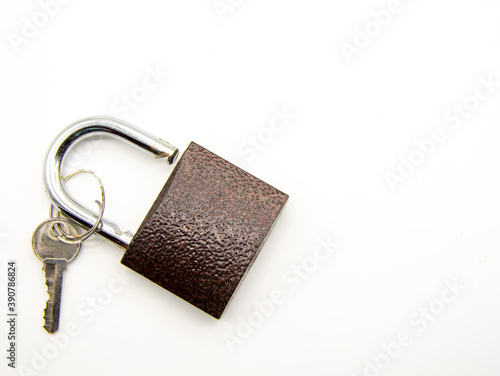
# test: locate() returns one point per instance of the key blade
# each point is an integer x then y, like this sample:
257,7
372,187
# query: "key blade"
54,269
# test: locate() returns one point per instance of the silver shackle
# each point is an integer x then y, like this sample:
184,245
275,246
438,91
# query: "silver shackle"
53,179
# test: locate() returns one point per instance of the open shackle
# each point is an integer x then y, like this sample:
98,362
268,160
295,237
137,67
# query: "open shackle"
77,131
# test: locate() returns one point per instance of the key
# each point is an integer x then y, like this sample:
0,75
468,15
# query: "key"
55,256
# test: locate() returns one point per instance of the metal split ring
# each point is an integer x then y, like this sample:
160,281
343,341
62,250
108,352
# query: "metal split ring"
56,228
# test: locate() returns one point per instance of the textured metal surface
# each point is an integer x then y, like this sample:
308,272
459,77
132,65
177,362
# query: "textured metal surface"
204,230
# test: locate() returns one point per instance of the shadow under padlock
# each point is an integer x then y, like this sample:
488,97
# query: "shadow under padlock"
204,230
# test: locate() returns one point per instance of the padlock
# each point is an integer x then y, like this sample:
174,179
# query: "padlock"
204,230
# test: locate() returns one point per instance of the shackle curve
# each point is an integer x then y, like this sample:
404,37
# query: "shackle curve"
74,133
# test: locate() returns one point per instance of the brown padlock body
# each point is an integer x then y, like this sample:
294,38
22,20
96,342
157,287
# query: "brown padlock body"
204,230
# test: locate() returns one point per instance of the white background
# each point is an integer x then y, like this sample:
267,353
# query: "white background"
228,72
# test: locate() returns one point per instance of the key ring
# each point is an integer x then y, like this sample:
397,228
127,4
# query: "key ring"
56,228
60,222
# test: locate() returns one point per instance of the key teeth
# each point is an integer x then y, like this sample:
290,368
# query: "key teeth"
49,328
48,322
53,279
48,317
